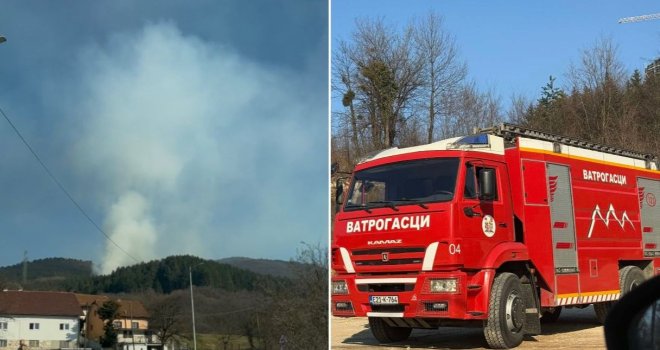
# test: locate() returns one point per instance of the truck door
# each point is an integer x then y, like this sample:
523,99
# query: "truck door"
563,223
649,208
485,222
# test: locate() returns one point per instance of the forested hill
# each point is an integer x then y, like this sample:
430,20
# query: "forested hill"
49,268
277,268
161,276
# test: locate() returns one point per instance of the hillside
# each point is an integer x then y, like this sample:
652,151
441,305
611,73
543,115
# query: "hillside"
47,269
277,268
161,276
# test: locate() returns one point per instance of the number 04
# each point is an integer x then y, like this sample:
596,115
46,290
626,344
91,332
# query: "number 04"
454,249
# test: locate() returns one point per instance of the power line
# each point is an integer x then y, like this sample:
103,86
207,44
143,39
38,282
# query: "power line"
59,184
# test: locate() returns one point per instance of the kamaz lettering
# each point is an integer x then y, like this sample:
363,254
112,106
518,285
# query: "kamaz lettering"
386,241
389,224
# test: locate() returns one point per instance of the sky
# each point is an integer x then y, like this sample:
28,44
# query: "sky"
179,127
512,47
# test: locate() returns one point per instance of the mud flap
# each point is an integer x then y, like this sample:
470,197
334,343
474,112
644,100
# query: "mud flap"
532,310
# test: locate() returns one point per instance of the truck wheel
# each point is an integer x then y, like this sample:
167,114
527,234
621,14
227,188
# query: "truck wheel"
551,315
629,278
506,313
385,333
601,310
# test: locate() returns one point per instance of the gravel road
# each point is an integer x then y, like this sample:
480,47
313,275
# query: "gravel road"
575,329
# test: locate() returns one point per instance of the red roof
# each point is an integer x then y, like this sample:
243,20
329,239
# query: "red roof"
132,309
39,303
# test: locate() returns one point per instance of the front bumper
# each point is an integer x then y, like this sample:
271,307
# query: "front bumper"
414,297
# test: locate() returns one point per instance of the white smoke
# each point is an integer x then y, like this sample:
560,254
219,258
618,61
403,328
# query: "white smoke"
180,138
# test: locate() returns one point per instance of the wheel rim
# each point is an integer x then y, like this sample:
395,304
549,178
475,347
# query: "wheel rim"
515,312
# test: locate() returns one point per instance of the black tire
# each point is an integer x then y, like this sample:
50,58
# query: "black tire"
385,333
505,325
629,278
602,309
552,315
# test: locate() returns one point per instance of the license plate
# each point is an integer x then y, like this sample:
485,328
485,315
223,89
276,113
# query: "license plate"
383,299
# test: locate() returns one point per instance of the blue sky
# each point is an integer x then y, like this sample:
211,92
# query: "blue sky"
181,128
512,47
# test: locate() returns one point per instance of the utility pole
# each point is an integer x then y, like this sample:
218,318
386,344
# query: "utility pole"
192,306
25,267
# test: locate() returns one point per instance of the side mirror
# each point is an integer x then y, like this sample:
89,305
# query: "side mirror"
634,321
339,195
487,183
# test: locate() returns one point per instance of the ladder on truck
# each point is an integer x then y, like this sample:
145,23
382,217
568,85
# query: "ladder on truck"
509,132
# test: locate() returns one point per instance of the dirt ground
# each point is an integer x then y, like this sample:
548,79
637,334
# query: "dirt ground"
575,329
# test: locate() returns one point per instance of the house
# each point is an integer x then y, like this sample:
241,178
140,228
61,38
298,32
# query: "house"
132,323
132,327
91,328
32,320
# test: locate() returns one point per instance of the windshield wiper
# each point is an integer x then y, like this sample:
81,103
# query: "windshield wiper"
413,201
389,204
359,206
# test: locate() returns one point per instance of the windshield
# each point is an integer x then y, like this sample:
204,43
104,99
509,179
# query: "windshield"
412,182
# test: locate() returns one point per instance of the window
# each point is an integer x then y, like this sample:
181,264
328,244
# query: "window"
64,326
3,325
34,326
470,190
3,342
134,325
34,343
116,324
404,183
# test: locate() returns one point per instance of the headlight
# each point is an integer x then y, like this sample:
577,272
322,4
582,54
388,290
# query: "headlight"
339,287
445,285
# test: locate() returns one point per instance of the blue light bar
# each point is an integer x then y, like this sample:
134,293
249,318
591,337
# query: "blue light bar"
479,139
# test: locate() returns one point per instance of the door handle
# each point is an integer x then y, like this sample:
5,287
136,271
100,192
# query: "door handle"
469,211
502,224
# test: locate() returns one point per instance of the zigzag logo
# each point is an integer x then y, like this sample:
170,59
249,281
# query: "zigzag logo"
606,219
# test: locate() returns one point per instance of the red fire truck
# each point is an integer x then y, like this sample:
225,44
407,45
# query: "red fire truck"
499,229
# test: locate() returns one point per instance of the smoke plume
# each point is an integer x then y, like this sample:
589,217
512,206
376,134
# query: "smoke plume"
192,149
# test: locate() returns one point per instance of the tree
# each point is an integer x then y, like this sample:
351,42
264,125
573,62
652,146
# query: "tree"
165,318
442,72
301,313
108,312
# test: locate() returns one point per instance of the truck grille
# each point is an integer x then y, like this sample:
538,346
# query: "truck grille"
389,256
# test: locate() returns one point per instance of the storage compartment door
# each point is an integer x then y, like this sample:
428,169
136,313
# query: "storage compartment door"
649,192
563,223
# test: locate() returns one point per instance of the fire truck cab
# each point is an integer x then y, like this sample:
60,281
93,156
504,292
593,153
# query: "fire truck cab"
497,229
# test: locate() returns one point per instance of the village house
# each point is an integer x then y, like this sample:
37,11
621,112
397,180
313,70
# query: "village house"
32,320
131,324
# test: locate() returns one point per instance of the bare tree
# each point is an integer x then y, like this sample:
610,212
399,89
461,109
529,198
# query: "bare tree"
442,71
519,109
166,317
599,79
472,109
343,83
389,76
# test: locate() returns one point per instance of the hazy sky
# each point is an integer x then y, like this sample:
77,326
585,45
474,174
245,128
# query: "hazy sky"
181,127
513,46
